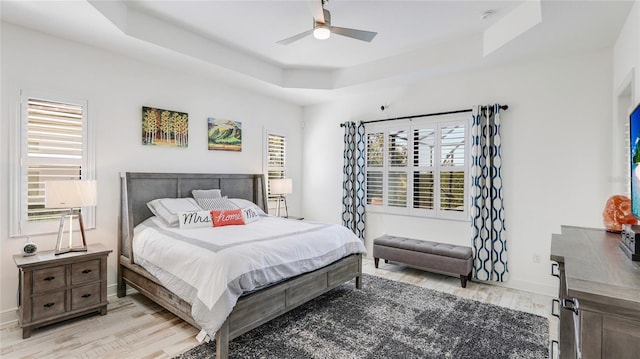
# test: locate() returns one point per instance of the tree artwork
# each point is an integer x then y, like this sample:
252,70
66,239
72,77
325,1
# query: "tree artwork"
164,127
225,135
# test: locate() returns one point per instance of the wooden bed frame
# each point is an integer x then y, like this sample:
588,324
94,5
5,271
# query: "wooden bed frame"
251,310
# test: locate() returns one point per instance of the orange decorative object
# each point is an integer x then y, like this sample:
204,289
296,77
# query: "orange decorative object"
617,212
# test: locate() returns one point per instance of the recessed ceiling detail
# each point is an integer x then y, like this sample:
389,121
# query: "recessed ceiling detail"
237,40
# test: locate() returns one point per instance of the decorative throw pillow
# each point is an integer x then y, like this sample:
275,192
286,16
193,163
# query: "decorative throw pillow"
167,208
217,204
196,219
243,203
206,193
227,218
250,214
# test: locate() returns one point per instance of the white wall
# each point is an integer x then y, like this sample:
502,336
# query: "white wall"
626,52
116,89
556,153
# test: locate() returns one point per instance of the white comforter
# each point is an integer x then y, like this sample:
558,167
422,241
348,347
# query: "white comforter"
211,267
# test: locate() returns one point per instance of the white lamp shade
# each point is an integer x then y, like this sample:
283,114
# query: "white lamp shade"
69,194
281,186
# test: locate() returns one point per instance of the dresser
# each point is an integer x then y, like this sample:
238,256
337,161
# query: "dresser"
55,288
599,295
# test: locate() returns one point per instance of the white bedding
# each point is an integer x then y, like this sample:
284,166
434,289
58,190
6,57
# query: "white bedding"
211,267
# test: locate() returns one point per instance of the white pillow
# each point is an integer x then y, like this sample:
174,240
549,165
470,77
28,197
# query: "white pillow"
196,219
217,204
250,214
243,203
167,208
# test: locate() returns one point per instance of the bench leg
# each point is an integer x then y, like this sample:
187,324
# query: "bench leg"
464,278
376,261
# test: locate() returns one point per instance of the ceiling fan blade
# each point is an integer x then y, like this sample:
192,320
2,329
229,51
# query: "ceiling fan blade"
317,10
293,38
353,33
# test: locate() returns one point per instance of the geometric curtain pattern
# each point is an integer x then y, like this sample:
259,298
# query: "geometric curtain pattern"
487,210
353,178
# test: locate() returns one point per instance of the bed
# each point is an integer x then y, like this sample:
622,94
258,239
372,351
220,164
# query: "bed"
252,309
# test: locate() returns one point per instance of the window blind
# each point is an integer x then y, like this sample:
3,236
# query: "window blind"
374,170
419,167
276,158
55,143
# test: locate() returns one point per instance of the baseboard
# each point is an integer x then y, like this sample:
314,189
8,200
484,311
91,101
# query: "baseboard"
10,316
538,288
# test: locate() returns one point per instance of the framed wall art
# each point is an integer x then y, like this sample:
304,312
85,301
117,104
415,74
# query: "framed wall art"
164,127
224,135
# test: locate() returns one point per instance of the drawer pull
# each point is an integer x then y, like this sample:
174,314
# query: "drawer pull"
86,271
86,295
555,273
553,307
554,343
50,278
49,305
572,307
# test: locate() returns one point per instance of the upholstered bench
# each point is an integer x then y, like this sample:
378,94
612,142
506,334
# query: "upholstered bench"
425,255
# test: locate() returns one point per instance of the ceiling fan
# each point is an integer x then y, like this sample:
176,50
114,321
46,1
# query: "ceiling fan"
322,29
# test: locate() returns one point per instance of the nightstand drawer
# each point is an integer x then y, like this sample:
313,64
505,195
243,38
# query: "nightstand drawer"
85,271
48,279
85,296
47,305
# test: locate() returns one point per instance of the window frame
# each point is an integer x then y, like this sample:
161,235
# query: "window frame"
19,164
273,200
437,168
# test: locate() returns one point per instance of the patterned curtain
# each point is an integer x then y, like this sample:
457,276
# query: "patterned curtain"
487,212
353,178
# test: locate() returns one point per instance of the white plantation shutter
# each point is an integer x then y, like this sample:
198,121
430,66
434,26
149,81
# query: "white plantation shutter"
374,168
276,158
424,151
452,167
420,168
53,146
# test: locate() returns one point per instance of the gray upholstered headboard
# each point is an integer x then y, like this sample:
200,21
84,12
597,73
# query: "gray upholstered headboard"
138,188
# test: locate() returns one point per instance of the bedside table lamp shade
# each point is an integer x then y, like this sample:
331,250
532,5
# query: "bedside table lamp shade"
281,187
72,195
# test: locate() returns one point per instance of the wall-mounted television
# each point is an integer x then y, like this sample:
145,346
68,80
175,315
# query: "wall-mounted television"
634,146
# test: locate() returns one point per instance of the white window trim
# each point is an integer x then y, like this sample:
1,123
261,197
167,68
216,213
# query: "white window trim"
18,225
410,125
265,158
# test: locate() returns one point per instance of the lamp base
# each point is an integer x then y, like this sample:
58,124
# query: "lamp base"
82,247
67,250
280,198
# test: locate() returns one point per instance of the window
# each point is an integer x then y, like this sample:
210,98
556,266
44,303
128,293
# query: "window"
276,159
419,168
51,143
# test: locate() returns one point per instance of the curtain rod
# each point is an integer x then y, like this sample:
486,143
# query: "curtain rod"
502,107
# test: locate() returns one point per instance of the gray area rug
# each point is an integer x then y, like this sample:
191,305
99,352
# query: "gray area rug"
388,319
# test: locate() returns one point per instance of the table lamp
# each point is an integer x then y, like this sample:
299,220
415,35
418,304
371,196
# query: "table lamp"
71,194
281,187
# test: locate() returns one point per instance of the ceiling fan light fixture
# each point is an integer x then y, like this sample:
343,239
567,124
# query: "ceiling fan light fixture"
321,32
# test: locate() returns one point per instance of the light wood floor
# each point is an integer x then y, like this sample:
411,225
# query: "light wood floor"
137,328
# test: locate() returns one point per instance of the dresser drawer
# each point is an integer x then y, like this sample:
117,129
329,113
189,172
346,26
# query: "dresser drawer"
85,296
47,305
85,271
48,279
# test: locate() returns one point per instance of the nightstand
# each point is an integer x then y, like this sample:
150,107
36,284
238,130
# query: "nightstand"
55,288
